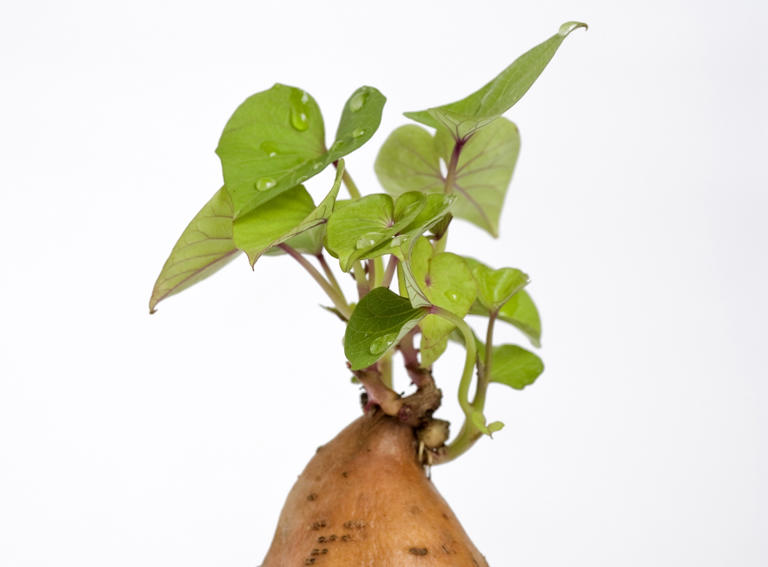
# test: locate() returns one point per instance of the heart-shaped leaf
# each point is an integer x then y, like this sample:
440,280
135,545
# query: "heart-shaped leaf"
205,246
514,366
445,281
409,160
275,140
467,115
378,323
284,218
496,287
360,227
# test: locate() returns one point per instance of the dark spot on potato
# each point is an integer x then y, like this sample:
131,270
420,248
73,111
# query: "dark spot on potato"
318,525
415,510
321,539
354,524
345,474
314,552
309,561
346,537
418,551
324,551
445,515
332,537
312,497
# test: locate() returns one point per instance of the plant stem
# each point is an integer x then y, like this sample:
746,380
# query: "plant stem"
378,272
450,176
354,192
385,368
418,375
338,300
469,362
442,242
329,273
371,273
362,283
389,273
378,392
485,373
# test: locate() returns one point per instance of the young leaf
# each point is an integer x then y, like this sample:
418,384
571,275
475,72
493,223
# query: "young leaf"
519,311
378,322
275,140
283,218
514,366
360,227
205,246
496,287
445,281
268,143
409,158
498,95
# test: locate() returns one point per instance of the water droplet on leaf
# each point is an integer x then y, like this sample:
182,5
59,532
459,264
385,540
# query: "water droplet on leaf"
357,132
452,295
300,110
358,99
265,184
382,343
367,240
317,165
269,148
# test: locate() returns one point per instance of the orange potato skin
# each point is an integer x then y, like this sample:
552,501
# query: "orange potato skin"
365,501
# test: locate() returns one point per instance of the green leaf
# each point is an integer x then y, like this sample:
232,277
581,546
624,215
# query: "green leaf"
359,121
514,366
409,161
275,140
496,287
465,116
378,322
483,172
444,280
286,218
205,246
519,311
362,226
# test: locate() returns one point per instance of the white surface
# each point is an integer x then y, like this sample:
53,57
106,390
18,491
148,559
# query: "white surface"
638,206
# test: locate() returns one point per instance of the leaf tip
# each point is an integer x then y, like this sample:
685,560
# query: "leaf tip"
568,27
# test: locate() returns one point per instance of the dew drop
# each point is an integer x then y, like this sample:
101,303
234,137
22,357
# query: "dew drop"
269,148
317,165
452,295
299,120
265,184
358,99
382,343
357,132
367,240
300,110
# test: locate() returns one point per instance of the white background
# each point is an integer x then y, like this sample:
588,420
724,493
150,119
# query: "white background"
638,207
